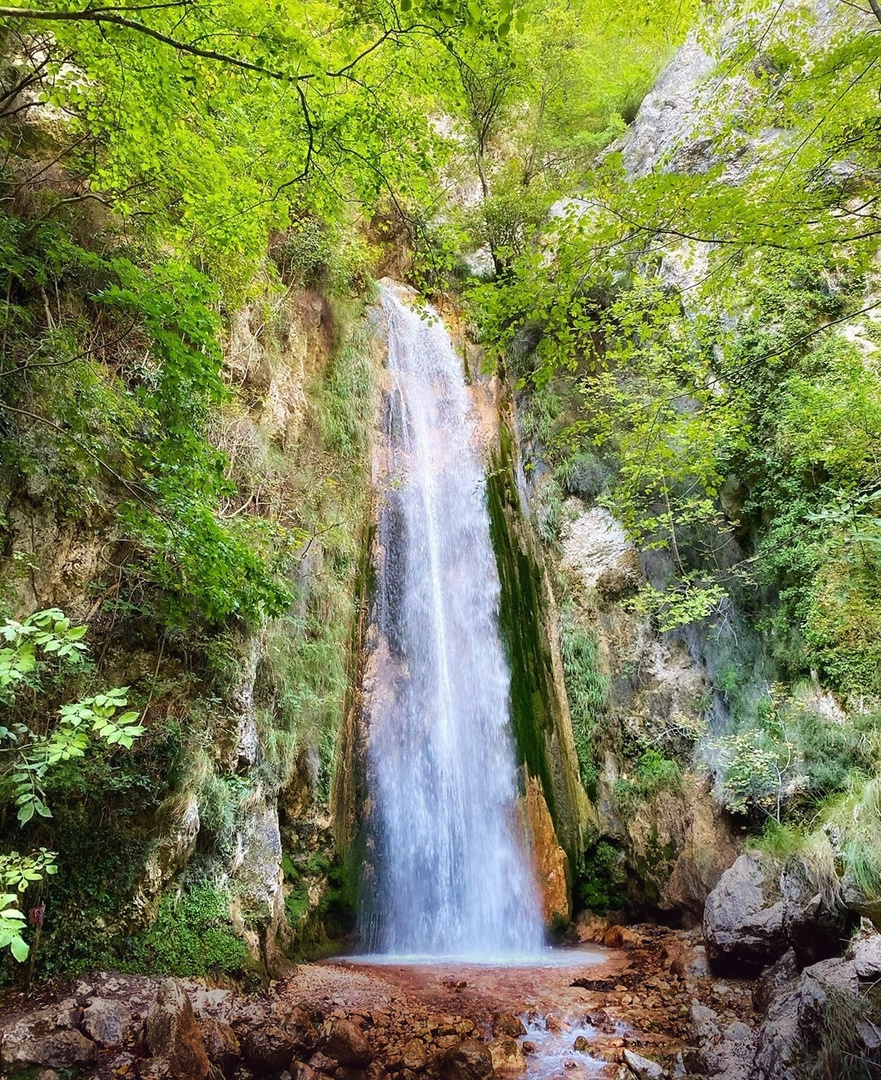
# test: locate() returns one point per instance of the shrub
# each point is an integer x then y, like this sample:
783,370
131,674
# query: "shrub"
192,935
603,885
587,690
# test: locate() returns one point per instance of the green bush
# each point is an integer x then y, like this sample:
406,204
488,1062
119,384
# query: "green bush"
651,774
602,886
587,690
192,935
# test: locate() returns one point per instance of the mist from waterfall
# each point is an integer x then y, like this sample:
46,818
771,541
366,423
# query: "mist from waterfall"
449,870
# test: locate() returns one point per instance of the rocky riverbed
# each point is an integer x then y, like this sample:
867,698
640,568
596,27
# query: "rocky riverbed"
623,1006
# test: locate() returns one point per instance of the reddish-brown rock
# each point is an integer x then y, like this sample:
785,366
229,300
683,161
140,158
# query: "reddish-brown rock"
470,1060
506,1024
348,1044
173,1036
221,1045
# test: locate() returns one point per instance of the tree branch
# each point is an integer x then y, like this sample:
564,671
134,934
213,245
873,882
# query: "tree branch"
111,15
105,16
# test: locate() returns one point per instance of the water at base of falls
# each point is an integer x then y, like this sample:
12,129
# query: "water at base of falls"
448,866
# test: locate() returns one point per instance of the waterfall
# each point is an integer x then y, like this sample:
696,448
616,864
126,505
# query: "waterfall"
448,870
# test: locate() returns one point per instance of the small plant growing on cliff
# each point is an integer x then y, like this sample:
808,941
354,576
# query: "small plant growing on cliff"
36,653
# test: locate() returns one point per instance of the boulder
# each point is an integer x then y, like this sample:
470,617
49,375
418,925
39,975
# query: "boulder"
726,1049
642,1068
46,1037
154,1068
267,1049
824,1000
413,1055
322,1063
344,1072
743,917
773,979
865,951
300,1027
107,1022
506,1055
221,1045
821,984
686,960
814,930
470,1060
778,1040
348,1044
172,1035
855,898
299,1071
506,1024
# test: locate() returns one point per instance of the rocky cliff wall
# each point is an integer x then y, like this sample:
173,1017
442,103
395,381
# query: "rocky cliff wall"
219,816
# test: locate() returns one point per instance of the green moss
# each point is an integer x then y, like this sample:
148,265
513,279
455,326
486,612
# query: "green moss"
192,935
588,692
651,774
521,617
602,886
318,930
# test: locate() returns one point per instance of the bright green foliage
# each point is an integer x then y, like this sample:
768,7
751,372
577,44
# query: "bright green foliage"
537,105
587,690
651,773
19,873
44,636
192,935
45,632
140,431
42,647
11,926
792,756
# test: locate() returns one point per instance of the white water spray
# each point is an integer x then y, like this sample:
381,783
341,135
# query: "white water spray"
450,871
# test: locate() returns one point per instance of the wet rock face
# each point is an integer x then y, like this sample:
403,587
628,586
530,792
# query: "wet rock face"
551,863
682,842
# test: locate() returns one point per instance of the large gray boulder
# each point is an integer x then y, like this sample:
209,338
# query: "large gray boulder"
726,1048
107,1021
743,915
761,908
812,927
46,1037
822,1005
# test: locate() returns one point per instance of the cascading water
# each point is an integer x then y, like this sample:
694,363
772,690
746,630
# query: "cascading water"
450,873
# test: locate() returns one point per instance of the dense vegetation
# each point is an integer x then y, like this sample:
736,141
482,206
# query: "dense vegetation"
697,345
692,345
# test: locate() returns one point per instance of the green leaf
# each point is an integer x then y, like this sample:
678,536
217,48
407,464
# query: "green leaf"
19,948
